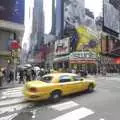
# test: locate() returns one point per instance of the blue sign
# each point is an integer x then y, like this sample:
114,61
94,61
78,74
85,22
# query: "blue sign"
12,10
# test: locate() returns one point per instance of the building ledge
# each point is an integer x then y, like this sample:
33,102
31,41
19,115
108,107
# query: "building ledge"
11,26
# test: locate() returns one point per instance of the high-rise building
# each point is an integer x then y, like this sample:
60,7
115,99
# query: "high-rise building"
37,36
116,3
11,26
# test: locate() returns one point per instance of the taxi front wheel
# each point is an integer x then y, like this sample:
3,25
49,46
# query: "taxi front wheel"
55,96
91,88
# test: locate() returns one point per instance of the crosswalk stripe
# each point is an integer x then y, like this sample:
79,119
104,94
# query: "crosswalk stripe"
7,92
17,88
13,108
12,93
11,96
76,114
13,101
64,106
9,117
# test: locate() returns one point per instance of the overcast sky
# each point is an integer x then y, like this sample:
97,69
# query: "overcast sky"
95,6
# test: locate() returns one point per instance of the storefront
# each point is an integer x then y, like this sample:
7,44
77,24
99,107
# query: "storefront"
61,52
83,60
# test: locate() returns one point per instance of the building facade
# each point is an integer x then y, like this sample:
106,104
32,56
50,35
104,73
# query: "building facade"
11,27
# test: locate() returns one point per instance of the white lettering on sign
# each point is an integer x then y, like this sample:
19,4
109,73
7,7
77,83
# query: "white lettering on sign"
76,55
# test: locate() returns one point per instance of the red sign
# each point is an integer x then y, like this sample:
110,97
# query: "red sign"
15,45
117,60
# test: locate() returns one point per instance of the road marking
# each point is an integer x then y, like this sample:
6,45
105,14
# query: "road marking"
10,92
64,106
13,108
11,96
13,101
102,119
9,117
13,92
17,88
76,114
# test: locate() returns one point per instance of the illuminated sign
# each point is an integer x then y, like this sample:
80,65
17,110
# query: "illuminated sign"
12,10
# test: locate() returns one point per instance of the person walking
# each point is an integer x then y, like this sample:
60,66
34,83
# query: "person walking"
28,75
21,74
1,77
33,73
11,76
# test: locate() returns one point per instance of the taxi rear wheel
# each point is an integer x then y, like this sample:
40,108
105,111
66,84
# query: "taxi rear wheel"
55,96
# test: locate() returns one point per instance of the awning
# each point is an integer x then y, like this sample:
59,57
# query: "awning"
83,61
62,58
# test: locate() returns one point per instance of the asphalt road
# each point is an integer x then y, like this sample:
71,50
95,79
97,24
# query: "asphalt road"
102,104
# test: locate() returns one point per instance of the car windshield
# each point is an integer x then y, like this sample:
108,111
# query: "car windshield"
46,79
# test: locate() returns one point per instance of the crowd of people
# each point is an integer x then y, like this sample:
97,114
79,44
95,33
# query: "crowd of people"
27,74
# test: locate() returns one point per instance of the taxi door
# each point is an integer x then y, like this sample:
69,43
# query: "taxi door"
67,84
80,83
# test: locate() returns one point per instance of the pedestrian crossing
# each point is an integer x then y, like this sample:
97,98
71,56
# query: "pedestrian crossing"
11,93
11,102
10,107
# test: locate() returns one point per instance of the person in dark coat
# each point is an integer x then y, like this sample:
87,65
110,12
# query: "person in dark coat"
33,73
28,75
11,76
21,73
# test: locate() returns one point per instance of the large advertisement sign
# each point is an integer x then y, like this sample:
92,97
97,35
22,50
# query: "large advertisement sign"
62,47
12,10
111,18
88,40
83,57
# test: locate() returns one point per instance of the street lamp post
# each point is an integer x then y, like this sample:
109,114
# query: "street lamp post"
15,46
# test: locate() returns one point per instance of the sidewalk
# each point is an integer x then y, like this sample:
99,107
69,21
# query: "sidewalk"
109,75
12,84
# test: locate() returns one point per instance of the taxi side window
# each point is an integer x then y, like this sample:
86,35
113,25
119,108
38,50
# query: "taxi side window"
76,78
65,78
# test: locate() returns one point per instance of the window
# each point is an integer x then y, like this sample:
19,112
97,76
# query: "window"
76,78
46,79
65,78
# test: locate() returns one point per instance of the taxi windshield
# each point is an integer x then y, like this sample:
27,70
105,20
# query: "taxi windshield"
46,79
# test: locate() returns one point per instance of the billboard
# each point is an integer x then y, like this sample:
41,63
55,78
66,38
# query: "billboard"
62,46
12,10
88,40
111,18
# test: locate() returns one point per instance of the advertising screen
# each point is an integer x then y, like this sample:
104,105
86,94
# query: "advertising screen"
12,10
111,17
87,40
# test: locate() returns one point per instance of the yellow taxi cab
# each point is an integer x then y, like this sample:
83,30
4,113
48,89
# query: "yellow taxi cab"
55,85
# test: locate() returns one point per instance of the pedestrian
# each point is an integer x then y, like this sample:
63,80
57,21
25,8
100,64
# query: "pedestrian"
21,74
28,75
11,76
33,73
1,77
